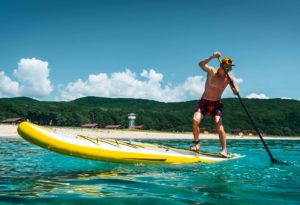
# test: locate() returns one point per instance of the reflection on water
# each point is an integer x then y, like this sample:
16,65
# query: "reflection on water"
29,174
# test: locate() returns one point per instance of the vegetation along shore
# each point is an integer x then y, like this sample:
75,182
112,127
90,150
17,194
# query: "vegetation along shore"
278,117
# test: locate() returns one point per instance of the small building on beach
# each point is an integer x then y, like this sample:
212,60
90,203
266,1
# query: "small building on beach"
139,127
213,131
113,127
204,130
91,125
249,132
237,132
242,132
13,121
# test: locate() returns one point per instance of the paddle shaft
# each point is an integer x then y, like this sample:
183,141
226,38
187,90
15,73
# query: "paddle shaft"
248,114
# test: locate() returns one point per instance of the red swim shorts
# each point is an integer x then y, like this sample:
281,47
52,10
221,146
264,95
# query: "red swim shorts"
212,107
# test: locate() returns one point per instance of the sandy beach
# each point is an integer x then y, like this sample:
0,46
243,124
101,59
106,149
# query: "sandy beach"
11,131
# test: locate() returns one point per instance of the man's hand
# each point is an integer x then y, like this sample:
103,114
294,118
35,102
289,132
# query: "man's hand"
217,54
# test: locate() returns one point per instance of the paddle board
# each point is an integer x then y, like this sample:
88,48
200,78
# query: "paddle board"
110,150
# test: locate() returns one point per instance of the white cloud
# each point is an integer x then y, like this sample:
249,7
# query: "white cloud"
286,98
239,80
127,84
8,88
32,80
257,96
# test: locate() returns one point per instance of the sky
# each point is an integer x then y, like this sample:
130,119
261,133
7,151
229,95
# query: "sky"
58,50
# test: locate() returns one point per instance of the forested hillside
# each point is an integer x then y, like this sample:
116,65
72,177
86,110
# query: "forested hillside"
273,116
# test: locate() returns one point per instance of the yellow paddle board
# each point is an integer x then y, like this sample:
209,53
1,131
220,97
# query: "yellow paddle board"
110,150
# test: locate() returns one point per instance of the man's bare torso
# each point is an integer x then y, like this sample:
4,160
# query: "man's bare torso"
215,85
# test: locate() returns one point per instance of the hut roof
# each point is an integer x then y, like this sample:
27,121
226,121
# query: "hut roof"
91,125
11,120
113,126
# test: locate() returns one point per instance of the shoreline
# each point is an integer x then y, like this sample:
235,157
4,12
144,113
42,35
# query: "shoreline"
10,131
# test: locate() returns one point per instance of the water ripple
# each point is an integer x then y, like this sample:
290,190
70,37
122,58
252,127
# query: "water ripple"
31,175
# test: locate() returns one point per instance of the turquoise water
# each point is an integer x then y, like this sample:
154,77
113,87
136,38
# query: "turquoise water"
31,175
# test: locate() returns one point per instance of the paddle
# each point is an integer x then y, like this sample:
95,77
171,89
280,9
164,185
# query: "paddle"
249,116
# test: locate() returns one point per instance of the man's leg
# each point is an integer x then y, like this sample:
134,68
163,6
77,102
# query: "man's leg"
196,130
221,132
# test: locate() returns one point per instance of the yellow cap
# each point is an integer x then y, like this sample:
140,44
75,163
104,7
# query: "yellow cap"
227,61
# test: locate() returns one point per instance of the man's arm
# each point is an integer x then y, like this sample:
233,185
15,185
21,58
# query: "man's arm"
203,63
234,86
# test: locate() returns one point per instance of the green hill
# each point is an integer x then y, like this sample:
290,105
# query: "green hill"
273,116
18,99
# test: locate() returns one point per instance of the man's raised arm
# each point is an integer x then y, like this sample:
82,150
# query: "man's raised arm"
203,63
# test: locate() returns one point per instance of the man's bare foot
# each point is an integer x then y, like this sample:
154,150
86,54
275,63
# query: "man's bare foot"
196,147
224,153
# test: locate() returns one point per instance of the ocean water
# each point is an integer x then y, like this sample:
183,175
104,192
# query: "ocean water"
32,175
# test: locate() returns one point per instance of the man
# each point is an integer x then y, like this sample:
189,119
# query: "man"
210,102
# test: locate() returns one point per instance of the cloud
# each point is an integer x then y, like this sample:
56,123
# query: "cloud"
286,98
32,80
239,80
147,85
257,96
8,87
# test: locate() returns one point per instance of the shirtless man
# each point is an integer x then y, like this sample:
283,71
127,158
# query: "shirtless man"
210,102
